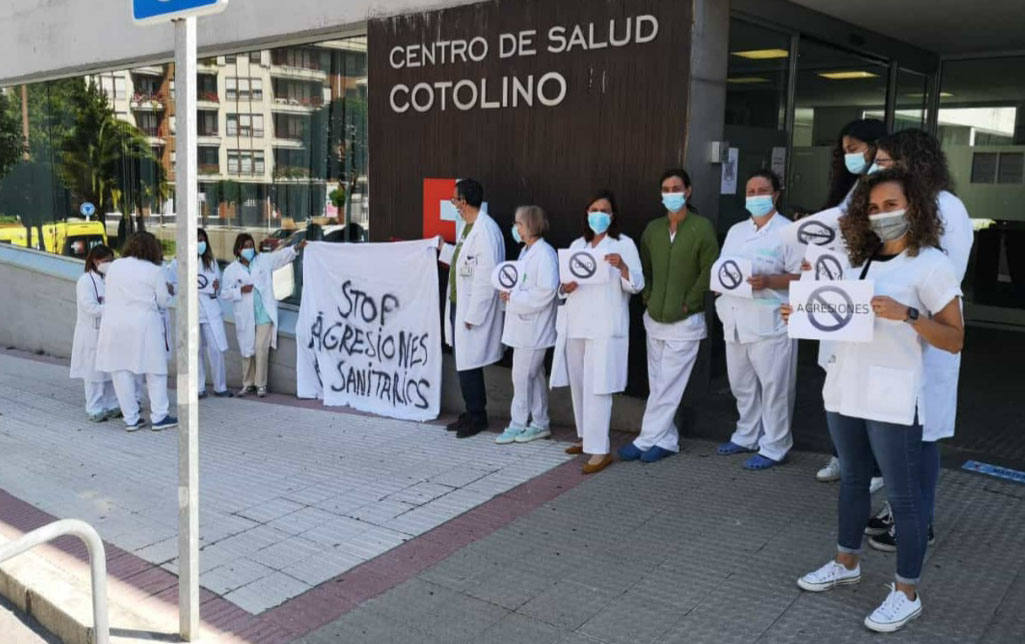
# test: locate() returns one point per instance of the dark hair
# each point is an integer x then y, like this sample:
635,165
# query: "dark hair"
613,230
208,254
471,191
772,177
97,255
144,246
840,179
925,227
918,153
240,241
676,172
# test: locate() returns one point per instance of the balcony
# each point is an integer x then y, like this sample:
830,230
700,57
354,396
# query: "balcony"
149,70
208,100
289,142
289,105
209,168
147,102
291,173
297,73
207,65
211,139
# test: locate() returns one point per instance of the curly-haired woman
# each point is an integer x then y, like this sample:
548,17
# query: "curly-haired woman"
919,154
871,394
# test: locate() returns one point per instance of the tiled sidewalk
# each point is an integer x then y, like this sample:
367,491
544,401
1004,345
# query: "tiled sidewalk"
290,496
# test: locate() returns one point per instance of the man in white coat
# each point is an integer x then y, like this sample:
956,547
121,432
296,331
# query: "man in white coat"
473,316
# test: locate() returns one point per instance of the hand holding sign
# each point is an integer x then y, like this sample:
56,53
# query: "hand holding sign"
506,276
729,276
583,266
838,310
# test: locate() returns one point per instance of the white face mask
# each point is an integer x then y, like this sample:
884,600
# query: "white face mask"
889,225
102,268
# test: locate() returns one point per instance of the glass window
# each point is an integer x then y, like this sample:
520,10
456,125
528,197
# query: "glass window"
912,100
833,88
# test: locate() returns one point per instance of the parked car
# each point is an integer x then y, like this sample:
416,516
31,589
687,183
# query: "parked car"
272,241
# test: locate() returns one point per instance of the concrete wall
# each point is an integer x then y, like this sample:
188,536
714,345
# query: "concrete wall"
70,37
37,313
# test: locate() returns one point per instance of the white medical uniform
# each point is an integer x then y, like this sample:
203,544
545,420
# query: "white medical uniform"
260,275
939,387
99,389
132,340
881,380
759,355
530,330
477,300
597,330
213,341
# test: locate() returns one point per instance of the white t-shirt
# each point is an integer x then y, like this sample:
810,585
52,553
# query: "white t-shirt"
749,320
881,380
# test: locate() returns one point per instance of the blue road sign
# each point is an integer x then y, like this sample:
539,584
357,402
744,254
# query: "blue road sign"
164,10
87,209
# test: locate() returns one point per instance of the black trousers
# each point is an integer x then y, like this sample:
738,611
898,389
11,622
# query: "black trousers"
471,382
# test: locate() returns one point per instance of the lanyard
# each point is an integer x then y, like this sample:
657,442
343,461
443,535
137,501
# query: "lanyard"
96,291
868,264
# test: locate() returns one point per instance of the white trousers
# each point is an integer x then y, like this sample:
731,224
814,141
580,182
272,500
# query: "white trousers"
592,412
99,397
127,396
208,345
530,388
760,375
669,365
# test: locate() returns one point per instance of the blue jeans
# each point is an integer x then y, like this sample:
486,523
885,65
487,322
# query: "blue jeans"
898,450
930,476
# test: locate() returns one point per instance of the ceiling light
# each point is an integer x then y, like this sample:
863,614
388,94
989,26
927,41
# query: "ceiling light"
762,54
847,75
746,80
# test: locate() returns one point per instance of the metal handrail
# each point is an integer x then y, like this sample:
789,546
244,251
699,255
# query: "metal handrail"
97,563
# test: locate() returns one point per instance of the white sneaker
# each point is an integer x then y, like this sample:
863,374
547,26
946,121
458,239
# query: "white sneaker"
895,611
876,484
829,473
830,576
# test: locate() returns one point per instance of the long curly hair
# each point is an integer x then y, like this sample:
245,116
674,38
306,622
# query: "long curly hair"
925,227
840,179
919,153
144,246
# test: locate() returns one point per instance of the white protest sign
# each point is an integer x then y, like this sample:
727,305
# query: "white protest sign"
369,329
729,276
506,276
446,253
583,266
820,229
826,264
839,311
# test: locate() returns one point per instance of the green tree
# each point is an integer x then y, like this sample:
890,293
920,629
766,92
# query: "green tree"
10,135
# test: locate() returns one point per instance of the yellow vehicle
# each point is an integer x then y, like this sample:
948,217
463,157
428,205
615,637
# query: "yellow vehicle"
14,234
74,237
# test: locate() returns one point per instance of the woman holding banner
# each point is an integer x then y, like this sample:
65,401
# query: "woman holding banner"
872,392
597,321
248,284
760,360
919,154
530,326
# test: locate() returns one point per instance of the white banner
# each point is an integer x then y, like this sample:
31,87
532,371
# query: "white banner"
369,329
729,276
839,310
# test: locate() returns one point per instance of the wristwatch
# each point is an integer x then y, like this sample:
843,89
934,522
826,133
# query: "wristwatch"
912,315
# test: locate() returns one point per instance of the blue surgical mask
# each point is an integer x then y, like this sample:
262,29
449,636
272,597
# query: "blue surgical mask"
855,162
599,221
674,201
248,254
760,205
874,168
516,235
201,248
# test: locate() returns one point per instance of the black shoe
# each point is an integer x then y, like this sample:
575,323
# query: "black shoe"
458,422
881,523
472,427
888,542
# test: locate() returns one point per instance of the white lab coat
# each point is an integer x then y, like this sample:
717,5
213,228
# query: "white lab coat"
941,368
260,275
209,306
477,300
89,292
132,336
530,311
600,313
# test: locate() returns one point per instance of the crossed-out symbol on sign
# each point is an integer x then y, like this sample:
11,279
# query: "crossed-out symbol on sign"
202,281
508,275
828,267
815,233
582,265
729,274
831,317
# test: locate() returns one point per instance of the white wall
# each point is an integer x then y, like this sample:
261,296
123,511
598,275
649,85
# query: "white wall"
71,37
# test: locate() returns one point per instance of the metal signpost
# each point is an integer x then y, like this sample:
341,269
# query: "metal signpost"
183,13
